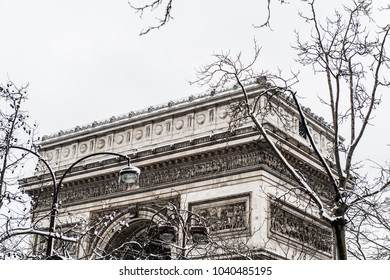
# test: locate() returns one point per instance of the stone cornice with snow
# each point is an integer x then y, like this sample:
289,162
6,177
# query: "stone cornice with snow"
162,125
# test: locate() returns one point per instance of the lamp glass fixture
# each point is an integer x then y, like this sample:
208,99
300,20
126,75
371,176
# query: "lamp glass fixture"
199,234
167,233
129,175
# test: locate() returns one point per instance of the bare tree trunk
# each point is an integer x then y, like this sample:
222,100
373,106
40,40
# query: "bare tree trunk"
339,232
338,225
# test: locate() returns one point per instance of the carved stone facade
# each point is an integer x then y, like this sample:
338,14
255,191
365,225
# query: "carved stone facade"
226,215
300,228
192,165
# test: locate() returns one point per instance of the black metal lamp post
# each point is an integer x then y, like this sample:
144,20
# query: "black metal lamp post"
129,174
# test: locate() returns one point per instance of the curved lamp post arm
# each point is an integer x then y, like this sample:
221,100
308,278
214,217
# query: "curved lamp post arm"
54,210
52,174
88,156
57,186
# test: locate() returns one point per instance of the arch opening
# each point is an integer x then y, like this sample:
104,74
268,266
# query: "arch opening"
137,241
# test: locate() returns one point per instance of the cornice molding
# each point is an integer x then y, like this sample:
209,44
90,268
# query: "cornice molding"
190,102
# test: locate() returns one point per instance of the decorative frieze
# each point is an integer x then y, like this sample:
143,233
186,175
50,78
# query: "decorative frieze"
202,167
198,169
86,191
299,228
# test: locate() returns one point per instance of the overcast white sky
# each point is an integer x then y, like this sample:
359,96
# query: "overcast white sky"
85,61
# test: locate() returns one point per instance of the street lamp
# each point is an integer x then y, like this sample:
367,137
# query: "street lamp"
167,233
129,174
199,234
190,225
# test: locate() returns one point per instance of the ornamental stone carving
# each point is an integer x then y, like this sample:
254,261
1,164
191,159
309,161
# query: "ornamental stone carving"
204,167
87,191
138,134
101,143
226,217
179,124
231,163
49,156
200,119
119,138
158,129
223,114
65,152
83,148
300,229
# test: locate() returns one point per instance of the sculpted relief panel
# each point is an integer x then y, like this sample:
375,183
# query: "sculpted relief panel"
224,215
300,229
